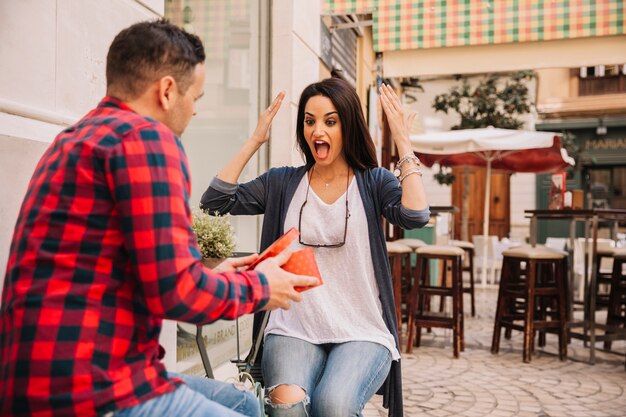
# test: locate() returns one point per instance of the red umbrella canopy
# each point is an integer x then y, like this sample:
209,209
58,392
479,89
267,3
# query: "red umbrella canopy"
511,150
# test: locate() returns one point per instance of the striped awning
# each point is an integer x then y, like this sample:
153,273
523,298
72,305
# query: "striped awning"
421,24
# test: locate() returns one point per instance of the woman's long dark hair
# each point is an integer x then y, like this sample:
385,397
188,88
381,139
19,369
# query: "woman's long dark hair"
358,147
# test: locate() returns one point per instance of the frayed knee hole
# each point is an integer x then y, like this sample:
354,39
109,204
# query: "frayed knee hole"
286,394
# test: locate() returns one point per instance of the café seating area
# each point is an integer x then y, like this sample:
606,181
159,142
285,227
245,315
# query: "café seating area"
479,383
522,344
576,291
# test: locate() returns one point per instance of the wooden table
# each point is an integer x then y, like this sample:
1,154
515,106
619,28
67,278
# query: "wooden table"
591,218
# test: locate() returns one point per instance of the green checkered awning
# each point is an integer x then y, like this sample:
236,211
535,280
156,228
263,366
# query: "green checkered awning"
415,24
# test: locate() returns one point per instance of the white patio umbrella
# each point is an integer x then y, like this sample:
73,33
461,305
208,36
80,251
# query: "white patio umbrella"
506,149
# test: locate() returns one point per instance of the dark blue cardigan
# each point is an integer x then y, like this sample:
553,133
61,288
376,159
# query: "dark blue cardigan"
271,193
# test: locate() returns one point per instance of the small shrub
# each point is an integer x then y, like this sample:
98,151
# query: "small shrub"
444,177
215,235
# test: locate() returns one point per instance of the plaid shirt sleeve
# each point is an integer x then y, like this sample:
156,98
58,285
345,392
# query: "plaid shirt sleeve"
149,177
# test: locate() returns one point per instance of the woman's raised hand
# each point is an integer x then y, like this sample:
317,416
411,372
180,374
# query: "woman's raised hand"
399,121
262,132
231,172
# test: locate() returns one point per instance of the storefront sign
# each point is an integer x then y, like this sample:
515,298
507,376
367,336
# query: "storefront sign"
220,339
606,144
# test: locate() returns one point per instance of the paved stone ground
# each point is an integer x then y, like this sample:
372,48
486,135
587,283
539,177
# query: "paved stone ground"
481,384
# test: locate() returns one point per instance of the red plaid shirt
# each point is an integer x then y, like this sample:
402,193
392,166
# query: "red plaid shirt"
103,250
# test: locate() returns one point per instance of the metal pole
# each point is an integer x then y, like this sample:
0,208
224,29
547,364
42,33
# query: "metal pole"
486,220
592,290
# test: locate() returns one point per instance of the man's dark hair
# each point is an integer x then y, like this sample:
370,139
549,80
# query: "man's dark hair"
147,51
358,146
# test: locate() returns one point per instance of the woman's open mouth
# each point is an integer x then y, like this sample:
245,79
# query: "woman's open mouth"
322,149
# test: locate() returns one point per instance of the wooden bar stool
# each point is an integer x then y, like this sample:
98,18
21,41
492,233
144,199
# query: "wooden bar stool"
533,286
411,243
420,313
414,244
603,278
401,271
468,266
616,315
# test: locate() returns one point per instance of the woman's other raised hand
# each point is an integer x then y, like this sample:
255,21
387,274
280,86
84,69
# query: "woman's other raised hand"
261,133
231,172
399,120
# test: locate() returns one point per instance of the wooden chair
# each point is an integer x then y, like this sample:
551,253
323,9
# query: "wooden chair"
602,261
604,275
468,266
411,243
537,277
401,273
616,315
420,314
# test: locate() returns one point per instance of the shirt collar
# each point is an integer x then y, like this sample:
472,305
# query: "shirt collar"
109,101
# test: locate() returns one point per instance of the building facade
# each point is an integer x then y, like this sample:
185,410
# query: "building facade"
587,104
421,40
53,64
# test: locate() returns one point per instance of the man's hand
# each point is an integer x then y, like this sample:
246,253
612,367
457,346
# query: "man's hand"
233,264
282,283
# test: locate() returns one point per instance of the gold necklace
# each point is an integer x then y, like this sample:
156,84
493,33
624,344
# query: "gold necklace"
327,184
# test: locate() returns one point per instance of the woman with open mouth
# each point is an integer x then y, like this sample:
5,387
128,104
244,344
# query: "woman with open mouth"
329,354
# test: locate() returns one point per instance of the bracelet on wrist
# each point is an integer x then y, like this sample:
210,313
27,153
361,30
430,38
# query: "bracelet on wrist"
410,157
410,172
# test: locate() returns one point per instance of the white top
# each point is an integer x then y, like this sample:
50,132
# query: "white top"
347,307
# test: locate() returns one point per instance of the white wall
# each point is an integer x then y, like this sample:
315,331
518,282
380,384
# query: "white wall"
53,61
295,64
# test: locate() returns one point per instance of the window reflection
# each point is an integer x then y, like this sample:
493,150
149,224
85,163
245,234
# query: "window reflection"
226,115
228,111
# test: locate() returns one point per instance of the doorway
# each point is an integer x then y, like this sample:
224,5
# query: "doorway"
500,207
606,187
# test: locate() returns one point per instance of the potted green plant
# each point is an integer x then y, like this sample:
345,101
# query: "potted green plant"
215,236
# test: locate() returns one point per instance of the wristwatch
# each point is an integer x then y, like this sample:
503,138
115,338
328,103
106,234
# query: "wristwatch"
397,171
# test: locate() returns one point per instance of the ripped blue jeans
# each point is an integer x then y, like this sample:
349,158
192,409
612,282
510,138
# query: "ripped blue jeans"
337,378
198,397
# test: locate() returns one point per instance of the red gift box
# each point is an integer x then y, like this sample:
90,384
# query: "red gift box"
301,262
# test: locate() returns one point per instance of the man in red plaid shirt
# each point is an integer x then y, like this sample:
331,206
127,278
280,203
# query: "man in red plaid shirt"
103,250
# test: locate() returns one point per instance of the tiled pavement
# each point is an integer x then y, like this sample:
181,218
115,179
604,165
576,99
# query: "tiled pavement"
482,384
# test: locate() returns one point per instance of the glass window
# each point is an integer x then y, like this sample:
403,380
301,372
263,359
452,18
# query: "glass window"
235,37
235,90
607,187
599,187
619,188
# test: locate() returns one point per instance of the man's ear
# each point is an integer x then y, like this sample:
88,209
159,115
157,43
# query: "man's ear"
167,91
